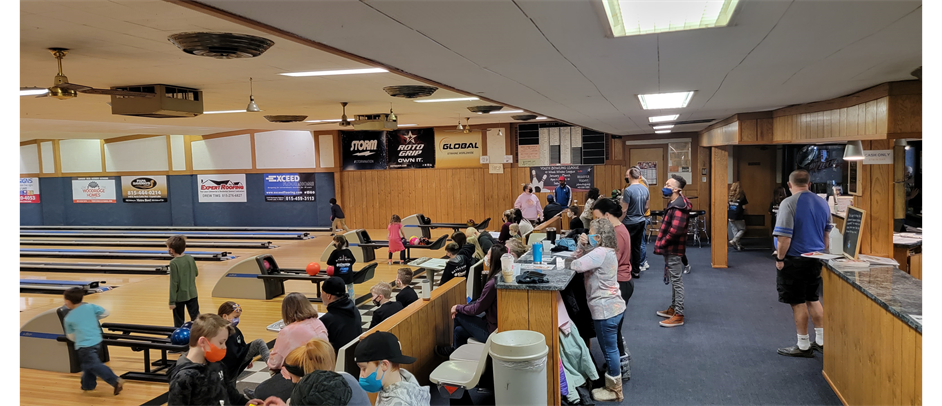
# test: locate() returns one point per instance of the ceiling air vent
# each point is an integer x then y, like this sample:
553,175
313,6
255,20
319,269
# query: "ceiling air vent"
524,117
285,118
221,45
410,91
484,109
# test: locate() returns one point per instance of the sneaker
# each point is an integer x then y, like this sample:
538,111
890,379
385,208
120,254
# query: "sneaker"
732,243
675,321
666,313
645,266
816,347
686,268
738,247
636,275
444,351
250,393
118,386
794,351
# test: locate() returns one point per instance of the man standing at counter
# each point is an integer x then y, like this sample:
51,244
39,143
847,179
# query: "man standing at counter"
802,226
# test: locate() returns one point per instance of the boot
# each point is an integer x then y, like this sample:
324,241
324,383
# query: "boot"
611,392
625,367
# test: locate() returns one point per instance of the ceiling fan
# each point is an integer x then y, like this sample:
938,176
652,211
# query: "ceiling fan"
464,129
62,89
343,118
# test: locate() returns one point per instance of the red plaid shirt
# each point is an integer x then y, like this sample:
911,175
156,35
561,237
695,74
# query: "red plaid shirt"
672,238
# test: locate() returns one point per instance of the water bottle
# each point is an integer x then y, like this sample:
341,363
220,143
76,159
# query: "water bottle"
537,252
506,267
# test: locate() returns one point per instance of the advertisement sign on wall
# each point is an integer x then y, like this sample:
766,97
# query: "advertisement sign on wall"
144,189
578,177
458,150
94,190
289,187
29,190
221,188
411,148
363,149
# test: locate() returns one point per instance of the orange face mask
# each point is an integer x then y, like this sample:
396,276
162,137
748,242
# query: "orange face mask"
214,354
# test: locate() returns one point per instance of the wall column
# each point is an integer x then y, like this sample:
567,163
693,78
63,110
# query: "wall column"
719,161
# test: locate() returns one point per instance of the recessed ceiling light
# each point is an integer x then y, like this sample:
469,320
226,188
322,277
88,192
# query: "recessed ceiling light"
335,72
33,92
408,125
657,101
658,119
224,111
447,100
506,112
662,131
664,127
632,17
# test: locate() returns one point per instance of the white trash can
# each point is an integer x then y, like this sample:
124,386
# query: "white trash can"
519,367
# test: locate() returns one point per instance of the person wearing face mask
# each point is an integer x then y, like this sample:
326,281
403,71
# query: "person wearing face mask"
634,204
609,210
198,378
467,323
239,354
342,261
315,355
672,244
379,356
342,319
529,205
385,307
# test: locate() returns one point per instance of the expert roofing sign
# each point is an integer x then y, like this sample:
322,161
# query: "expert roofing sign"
221,188
93,190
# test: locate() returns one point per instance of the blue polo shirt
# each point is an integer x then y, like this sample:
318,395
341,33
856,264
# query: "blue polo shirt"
804,217
83,322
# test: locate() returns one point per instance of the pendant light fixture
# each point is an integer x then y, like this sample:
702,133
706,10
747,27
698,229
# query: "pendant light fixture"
854,151
392,116
252,107
460,127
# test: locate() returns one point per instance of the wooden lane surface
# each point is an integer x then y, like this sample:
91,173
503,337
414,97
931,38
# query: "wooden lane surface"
142,299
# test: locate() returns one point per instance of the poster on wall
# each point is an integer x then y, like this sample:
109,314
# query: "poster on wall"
94,190
411,148
458,150
648,171
363,150
29,190
144,189
578,177
221,188
528,155
289,187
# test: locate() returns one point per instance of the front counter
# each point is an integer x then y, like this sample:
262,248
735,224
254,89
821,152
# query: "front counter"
873,335
535,307
908,252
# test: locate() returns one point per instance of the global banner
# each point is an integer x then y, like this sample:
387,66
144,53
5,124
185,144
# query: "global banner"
363,150
144,189
289,187
94,190
29,190
579,177
411,148
221,188
458,150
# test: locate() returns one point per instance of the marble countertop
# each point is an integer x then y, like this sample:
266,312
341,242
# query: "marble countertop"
558,278
894,290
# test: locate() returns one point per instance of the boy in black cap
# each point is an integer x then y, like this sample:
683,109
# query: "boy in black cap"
342,320
378,356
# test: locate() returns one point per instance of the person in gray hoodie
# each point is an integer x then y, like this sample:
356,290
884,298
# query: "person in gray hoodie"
379,356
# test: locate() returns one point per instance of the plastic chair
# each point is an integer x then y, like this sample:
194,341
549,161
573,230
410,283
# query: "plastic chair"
455,377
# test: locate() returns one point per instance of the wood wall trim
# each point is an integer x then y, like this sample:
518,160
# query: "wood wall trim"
131,137
231,134
906,87
56,152
724,122
188,153
104,167
252,151
30,142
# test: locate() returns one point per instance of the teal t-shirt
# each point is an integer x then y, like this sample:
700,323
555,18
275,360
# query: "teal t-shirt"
83,322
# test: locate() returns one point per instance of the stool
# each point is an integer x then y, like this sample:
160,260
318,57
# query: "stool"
696,225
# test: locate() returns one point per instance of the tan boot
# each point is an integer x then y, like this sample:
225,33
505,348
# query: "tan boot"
612,392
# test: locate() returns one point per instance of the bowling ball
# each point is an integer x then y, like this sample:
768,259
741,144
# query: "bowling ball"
414,241
330,270
267,265
187,325
180,336
313,268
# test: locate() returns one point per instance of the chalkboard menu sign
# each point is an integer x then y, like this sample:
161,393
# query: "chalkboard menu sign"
852,226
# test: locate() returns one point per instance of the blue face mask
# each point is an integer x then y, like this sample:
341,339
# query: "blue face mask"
667,192
372,384
235,322
592,240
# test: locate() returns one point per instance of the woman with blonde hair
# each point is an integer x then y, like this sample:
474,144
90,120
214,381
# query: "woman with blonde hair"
737,214
315,355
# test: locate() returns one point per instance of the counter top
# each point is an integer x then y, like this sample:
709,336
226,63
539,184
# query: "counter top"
906,240
558,278
892,289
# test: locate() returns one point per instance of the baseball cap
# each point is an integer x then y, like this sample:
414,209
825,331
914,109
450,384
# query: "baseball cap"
381,346
562,177
334,286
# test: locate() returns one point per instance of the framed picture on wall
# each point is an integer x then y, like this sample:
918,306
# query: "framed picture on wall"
853,178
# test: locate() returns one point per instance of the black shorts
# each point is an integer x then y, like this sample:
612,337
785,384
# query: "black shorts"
799,280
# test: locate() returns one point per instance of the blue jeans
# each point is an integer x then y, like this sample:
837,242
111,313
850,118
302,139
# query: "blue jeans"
607,333
92,367
644,242
469,327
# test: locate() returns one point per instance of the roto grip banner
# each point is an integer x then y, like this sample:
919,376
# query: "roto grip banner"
94,190
221,188
29,190
363,149
411,148
289,187
144,189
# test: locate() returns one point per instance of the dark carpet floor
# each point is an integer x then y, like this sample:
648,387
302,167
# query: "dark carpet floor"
725,354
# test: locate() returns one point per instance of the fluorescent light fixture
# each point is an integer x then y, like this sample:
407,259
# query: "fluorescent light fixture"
540,118
447,100
335,72
664,127
506,112
639,17
323,121
658,119
658,101
224,111
33,92
408,125
662,131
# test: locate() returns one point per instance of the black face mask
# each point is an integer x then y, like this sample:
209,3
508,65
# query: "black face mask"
627,180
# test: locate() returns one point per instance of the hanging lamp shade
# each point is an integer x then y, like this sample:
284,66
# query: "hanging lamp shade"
460,127
854,151
252,107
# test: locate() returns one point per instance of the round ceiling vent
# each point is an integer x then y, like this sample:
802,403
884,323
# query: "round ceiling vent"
524,117
410,91
285,118
484,109
221,45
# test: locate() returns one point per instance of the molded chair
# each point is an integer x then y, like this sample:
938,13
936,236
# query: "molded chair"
455,377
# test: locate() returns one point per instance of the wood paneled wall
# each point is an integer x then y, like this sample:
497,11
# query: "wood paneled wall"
719,201
858,122
726,134
876,198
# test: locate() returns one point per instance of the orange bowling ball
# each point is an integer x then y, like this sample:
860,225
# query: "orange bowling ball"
313,268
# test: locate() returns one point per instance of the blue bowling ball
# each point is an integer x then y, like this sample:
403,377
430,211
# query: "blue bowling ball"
188,325
180,336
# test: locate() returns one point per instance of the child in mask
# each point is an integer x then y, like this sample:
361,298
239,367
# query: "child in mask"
239,354
198,378
342,261
385,307
378,356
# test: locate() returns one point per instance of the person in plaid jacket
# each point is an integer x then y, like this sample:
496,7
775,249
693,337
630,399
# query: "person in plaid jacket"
672,244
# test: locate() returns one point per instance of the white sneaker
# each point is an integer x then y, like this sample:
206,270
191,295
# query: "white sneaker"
687,269
645,266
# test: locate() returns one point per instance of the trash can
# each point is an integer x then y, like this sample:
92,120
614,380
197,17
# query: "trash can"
519,367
